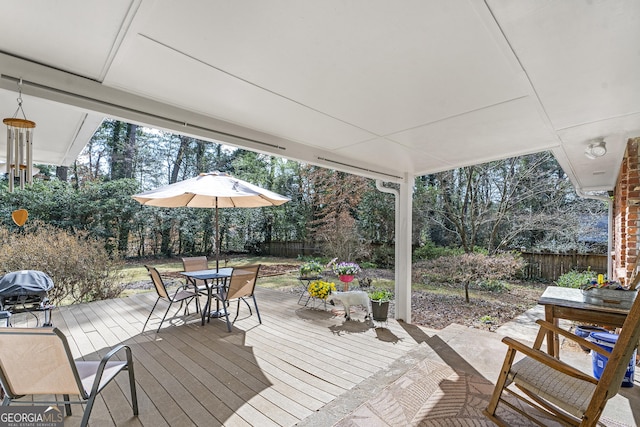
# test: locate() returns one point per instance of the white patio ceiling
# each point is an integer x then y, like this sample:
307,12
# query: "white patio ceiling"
386,89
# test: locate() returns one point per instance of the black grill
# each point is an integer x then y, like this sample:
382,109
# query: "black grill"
26,291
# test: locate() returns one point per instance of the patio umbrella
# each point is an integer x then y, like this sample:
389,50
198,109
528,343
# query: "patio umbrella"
211,190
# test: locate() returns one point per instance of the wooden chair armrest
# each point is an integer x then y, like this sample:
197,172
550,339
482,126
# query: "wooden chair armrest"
573,337
550,361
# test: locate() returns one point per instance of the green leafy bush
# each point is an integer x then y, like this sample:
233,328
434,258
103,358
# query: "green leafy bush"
494,285
487,319
430,251
381,295
574,279
80,267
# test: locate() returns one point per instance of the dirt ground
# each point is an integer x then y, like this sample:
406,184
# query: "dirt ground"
485,310
274,270
444,304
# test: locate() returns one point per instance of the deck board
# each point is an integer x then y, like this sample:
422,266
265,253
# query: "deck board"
239,370
272,374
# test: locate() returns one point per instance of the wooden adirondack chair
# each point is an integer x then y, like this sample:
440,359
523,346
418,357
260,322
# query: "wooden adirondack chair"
567,394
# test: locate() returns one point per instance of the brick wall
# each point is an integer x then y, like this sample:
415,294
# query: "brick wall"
626,211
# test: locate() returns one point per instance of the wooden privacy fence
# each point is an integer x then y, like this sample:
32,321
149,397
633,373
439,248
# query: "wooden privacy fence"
551,266
289,249
545,266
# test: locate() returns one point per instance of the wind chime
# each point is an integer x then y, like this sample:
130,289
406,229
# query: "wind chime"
19,146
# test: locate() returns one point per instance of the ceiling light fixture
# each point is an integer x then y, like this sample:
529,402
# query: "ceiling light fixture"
19,145
596,149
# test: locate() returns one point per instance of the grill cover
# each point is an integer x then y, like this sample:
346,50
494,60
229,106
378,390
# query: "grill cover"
25,282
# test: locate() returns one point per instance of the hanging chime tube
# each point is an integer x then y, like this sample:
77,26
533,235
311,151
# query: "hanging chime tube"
19,150
29,157
20,166
9,148
19,145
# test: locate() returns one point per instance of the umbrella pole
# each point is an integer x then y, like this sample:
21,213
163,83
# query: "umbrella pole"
217,238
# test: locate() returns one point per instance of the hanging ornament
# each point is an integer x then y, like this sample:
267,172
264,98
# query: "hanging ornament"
19,146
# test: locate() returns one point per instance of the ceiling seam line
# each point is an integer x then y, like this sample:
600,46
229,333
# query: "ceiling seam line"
600,120
120,36
258,86
444,119
522,67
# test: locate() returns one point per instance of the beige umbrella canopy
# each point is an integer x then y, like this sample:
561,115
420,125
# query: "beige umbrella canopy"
211,190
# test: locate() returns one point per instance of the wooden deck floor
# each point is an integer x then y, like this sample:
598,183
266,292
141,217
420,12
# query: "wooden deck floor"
274,374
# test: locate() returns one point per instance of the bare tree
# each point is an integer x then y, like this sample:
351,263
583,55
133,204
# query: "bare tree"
518,201
336,196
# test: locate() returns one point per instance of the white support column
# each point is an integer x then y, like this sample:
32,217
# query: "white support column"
404,221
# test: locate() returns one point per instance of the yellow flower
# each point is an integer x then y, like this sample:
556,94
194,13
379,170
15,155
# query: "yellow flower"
321,289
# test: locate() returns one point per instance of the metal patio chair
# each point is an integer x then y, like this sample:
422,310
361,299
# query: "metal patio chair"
196,263
181,295
242,284
38,361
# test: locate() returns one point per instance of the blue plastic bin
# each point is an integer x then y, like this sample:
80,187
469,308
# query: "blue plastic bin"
585,330
607,341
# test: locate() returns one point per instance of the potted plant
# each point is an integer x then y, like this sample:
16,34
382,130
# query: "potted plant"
346,271
311,269
320,289
380,299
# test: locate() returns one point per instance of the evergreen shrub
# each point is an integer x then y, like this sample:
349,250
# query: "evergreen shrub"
575,279
431,251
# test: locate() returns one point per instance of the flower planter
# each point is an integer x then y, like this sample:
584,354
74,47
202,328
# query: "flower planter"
312,277
346,271
615,298
311,270
380,310
346,279
319,289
